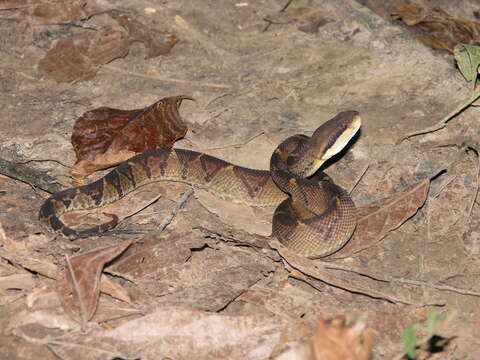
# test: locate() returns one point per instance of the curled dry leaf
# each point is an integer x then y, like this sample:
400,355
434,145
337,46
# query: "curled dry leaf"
436,28
78,288
105,137
377,219
334,340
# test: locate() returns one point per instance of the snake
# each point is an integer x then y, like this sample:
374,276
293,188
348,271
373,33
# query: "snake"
314,217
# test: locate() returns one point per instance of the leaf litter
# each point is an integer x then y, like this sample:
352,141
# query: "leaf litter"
156,333
79,286
105,136
107,33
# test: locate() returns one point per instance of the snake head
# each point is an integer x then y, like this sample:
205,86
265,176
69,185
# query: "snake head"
332,136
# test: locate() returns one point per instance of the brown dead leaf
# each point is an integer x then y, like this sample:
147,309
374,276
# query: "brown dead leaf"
78,288
156,42
79,56
186,269
320,270
179,333
334,340
155,256
436,28
377,219
110,287
105,137
54,318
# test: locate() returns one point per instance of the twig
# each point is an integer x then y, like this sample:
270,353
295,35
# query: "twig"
234,145
180,204
167,79
437,286
443,122
205,42
359,178
43,160
475,148
281,10
29,176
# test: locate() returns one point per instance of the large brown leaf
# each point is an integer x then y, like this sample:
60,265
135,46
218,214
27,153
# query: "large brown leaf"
436,28
79,56
156,42
105,137
78,288
377,219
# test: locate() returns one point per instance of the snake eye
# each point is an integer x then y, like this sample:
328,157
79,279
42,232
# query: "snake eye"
290,161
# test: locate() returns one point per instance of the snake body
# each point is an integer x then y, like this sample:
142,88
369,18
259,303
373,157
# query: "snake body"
314,217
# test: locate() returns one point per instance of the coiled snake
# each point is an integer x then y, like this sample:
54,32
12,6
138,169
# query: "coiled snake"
314,216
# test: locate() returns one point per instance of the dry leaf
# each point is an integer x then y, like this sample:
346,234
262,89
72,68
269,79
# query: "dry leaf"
375,220
165,268
32,14
156,42
110,287
334,340
437,29
53,318
78,288
79,56
105,137
319,270
178,333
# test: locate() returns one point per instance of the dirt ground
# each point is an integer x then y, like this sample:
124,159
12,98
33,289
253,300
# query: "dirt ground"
209,286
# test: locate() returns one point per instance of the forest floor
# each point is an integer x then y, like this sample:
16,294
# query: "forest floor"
209,284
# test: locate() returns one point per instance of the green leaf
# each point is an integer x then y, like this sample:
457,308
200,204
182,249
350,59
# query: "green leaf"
468,61
409,337
433,318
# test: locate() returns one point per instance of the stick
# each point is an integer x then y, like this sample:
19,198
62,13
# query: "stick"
29,176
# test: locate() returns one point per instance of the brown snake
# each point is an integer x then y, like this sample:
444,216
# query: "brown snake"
315,219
